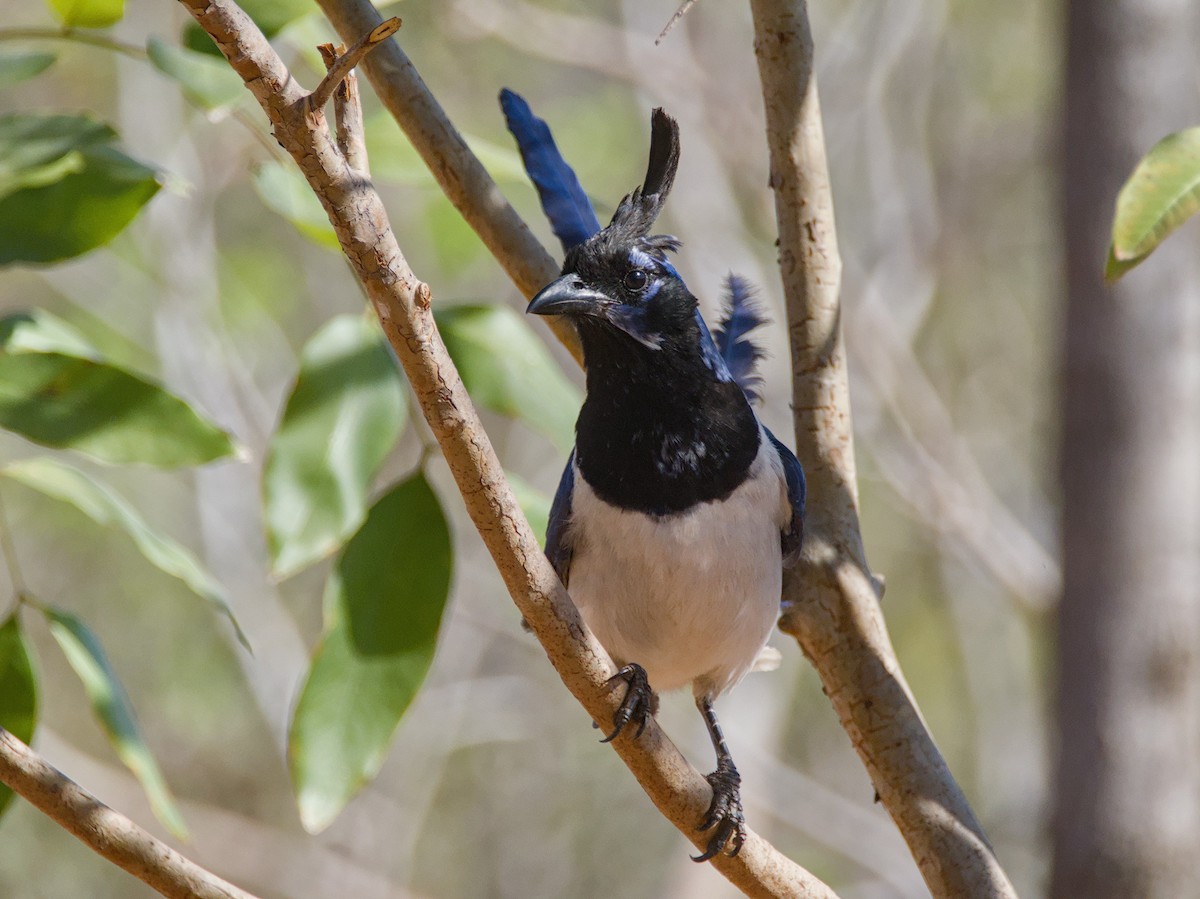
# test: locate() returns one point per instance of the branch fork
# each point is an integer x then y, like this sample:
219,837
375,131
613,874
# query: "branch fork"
343,63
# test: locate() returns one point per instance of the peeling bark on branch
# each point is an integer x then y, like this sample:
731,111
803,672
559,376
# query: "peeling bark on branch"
832,598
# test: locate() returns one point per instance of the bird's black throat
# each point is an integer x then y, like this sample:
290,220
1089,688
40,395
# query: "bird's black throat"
659,432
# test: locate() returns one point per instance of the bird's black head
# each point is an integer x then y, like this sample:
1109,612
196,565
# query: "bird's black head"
619,285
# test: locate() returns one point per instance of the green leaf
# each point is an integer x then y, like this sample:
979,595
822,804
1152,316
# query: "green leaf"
36,150
503,162
384,605
209,82
1160,195
394,160
18,67
455,244
340,422
87,13
533,502
38,331
69,401
83,210
18,690
508,370
284,191
106,507
112,706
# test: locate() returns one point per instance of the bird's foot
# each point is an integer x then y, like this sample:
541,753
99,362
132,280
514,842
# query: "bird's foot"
724,815
639,702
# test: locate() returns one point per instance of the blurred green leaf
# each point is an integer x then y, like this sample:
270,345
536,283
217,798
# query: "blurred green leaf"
112,706
105,506
508,370
384,606
341,420
533,502
454,243
207,81
36,150
284,191
18,690
38,331
18,67
394,160
1160,195
502,162
87,13
269,15
71,402
85,208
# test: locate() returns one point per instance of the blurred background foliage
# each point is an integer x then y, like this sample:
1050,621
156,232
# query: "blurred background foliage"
940,121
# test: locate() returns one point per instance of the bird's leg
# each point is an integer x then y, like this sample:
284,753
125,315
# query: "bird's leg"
725,812
639,704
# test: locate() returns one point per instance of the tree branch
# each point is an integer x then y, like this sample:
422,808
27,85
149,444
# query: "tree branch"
343,63
832,600
403,304
462,177
103,830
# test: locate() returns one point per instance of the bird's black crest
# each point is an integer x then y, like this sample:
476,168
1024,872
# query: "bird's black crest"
639,209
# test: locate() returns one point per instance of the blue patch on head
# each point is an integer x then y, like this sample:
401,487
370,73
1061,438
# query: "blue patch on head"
642,259
632,320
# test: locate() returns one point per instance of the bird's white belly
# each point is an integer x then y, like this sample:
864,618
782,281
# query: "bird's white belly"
691,597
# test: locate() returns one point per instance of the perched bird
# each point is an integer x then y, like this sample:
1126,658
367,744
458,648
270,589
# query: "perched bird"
678,510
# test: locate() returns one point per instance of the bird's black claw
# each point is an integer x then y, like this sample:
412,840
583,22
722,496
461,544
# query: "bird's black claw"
724,814
638,704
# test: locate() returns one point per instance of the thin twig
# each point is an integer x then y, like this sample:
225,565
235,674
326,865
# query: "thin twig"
403,304
679,14
832,599
71,35
105,831
347,114
346,62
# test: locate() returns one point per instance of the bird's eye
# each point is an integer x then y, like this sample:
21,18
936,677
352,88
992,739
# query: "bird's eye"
635,279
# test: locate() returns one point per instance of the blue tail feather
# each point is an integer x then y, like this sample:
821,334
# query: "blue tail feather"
563,199
742,315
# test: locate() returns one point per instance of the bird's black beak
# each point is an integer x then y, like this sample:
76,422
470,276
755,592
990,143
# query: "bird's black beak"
567,296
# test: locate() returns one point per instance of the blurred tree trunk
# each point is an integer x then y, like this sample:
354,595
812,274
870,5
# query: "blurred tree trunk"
1127,816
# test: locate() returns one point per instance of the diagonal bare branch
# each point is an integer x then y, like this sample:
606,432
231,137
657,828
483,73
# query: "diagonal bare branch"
832,598
105,831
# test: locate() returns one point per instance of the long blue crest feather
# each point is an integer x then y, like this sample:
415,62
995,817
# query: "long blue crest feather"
563,199
740,353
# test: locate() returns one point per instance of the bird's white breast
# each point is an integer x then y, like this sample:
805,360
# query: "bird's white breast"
693,596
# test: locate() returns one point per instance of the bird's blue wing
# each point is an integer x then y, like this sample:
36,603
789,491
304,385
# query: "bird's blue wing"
739,352
558,547
793,536
564,201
